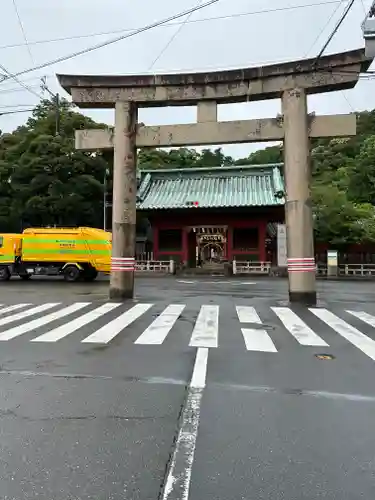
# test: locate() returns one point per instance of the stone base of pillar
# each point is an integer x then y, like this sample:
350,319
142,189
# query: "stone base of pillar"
120,294
305,298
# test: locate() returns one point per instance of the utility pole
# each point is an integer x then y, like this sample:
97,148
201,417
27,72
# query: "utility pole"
56,102
57,114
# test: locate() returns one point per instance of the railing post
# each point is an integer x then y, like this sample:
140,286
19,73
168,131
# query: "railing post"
171,266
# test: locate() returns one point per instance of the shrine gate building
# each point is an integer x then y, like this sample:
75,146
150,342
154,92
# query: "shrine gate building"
203,215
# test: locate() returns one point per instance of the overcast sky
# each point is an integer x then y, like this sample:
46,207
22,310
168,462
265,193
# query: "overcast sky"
203,43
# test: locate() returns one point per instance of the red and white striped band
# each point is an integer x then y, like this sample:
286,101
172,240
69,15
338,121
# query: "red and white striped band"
123,264
301,265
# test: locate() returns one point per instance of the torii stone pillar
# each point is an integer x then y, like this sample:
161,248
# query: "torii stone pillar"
124,201
298,206
291,82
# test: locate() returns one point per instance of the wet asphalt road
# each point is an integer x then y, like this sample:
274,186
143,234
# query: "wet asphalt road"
100,421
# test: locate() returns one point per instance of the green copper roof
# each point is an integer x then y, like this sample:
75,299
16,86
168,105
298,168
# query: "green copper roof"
218,187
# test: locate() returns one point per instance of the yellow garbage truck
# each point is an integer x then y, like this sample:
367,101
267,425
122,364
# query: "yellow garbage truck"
78,253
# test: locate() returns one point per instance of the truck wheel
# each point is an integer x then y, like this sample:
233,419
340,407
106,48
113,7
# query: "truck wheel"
24,276
4,273
71,273
90,274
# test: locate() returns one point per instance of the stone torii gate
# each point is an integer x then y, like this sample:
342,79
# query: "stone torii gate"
291,82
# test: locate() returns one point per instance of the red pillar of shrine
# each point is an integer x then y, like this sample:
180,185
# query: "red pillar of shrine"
185,245
155,247
230,244
262,231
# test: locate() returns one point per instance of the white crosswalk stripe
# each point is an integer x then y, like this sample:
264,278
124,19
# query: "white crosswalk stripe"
206,329
28,313
14,307
155,325
44,320
62,331
367,318
114,327
157,332
357,338
256,339
298,328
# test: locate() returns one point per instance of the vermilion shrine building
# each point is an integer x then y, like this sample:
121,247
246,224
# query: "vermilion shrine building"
197,216
202,215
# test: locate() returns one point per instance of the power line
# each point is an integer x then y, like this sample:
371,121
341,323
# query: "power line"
173,37
14,77
324,27
16,105
341,20
30,78
16,89
16,111
192,21
114,40
23,30
364,8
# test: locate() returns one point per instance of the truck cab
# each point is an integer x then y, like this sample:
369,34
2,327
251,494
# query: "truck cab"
10,252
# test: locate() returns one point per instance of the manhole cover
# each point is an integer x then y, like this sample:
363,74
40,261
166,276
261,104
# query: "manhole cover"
324,356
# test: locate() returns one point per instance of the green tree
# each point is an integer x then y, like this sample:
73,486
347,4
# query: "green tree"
338,220
362,173
151,158
43,178
273,154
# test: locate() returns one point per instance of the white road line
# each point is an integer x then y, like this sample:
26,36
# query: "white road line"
44,320
247,314
5,310
206,328
114,327
258,340
357,338
198,379
29,312
177,485
157,332
367,318
70,327
298,328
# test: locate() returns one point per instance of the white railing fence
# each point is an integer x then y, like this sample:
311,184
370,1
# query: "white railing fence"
349,270
248,267
251,267
156,266
260,268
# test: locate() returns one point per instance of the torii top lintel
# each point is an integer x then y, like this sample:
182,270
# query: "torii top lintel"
330,73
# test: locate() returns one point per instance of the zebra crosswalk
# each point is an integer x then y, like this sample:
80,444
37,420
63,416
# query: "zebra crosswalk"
52,322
